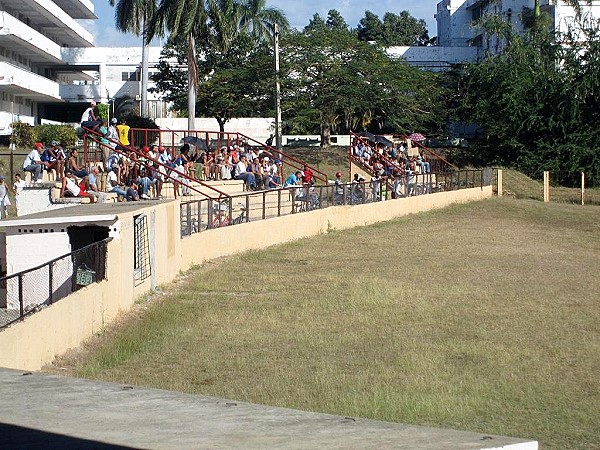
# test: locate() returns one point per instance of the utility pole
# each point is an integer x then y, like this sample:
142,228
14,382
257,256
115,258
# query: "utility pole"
144,74
277,91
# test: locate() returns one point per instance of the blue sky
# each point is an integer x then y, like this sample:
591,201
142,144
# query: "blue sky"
298,13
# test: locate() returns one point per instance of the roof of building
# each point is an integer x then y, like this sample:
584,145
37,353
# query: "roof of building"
96,212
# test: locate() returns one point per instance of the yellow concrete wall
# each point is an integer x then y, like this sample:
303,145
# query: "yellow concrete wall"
230,240
30,344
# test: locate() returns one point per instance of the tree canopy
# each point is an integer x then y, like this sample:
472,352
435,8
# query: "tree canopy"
537,101
395,29
335,82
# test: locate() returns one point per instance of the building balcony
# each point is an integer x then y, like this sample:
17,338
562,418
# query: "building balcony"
47,18
77,9
25,41
17,81
80,93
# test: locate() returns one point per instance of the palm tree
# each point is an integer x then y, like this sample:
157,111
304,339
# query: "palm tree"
216,22
259,20
187,20
132,16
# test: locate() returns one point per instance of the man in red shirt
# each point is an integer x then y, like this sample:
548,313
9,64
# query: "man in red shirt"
308,177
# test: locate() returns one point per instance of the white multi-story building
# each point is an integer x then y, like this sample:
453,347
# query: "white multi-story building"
457,19
50,69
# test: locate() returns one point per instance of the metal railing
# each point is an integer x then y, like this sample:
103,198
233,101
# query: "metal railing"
213,141
28,291
205,214
178,178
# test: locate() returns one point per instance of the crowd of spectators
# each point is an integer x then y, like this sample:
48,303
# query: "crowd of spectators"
391,162
385,159
145,169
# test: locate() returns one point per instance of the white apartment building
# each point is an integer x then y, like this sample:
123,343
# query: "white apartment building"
50,69
456,19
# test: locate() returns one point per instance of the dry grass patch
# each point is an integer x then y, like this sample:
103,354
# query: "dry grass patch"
481,317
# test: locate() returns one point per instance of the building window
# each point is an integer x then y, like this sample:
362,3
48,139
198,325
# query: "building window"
130,76
141,249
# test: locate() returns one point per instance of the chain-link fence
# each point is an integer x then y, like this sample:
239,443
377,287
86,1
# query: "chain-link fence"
28,291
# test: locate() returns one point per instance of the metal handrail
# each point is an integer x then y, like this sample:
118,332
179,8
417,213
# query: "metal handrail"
229,138
168,169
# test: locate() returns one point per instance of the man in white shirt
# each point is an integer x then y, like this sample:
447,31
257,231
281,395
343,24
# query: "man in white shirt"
112,184
240,173
34,164
89,119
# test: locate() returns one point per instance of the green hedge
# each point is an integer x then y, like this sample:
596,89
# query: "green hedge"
25,135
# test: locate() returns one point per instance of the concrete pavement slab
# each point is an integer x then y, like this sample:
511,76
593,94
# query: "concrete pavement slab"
48,411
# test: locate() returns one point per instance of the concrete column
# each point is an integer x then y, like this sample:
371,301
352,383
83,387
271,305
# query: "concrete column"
546,186
102,88
500,184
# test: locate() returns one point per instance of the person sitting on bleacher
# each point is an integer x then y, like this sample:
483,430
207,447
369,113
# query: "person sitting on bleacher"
131,195
241,173
70,188
144,182
93,189
34,164
51,155
74,167
112,183
293,179
90,118
423,163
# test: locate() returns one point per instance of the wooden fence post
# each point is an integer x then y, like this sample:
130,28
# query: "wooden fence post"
500,186
546,186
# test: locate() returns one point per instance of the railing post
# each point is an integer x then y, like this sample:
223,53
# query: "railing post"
50,283
320,197
248,208
188,217
264,206
278,202
210,214
199,210
582,188
546,186
21,307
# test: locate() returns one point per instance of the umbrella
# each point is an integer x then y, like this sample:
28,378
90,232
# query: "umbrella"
383,140
195,141
369,136
417,137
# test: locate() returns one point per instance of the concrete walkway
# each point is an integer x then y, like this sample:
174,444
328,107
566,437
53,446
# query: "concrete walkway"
41,411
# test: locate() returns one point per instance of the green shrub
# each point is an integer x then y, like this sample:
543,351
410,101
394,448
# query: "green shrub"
23,134
103,110
60,133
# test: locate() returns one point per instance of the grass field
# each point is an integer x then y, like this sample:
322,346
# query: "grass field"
483,317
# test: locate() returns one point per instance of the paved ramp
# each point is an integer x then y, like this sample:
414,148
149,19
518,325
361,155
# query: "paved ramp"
41,411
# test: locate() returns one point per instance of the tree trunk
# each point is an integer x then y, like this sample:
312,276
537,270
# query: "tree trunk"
325,134
221,123
192,79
